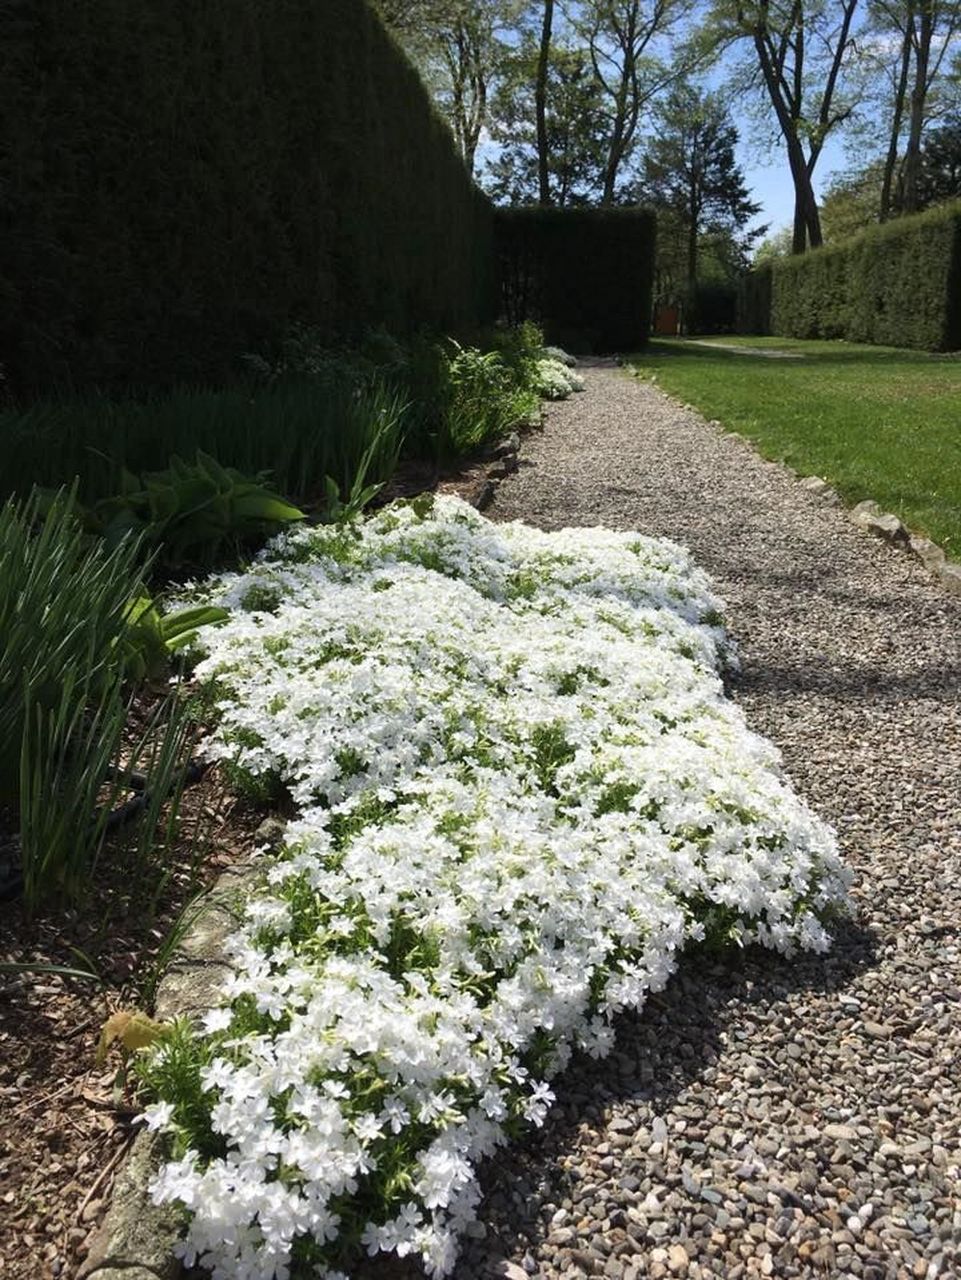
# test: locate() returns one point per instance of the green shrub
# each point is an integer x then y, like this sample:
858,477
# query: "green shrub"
896,285
585,275
485,397
712,308
192,512
181,182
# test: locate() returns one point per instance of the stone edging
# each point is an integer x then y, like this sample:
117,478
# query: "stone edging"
502,463
136,1239
869,518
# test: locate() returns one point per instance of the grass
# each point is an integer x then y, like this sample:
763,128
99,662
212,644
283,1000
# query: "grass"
876,422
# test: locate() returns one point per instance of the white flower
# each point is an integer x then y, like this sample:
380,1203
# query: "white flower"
158,1115
521,793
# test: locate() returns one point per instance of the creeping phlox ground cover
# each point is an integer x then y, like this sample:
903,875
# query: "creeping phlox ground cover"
520,793
556,379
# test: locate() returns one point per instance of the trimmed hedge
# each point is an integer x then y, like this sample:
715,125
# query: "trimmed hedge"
181,181
897,285
585,275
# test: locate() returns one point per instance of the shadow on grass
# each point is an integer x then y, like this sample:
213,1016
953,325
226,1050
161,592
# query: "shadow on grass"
706,350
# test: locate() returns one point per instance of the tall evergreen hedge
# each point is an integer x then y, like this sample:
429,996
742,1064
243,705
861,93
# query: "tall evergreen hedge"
586,275
897,285
179,181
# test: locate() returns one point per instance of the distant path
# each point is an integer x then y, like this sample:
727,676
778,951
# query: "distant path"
768,353
812,1109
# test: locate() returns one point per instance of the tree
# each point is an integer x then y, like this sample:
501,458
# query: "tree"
798,53
626,40
540,104
851,202
459,47
928,30
575,125
939,178
778,244
691,169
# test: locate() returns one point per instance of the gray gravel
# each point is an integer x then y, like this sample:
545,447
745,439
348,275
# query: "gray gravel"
765,1117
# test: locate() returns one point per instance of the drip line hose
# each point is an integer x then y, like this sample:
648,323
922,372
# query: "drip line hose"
11,875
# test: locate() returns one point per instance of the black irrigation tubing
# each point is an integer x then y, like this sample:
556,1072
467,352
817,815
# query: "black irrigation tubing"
11,877
192,774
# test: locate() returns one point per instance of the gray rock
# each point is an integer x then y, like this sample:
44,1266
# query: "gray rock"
949,575
929,553
137,1235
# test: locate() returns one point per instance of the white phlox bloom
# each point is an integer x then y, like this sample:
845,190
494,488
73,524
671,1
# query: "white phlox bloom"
521,792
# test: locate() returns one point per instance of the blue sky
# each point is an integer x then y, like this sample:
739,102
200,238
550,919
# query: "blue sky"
769,179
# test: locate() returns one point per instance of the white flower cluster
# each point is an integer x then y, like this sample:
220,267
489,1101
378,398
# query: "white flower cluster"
558,353
555,380
521,792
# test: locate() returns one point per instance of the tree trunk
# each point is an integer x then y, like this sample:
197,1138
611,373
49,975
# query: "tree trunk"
912,158
891,159
540,105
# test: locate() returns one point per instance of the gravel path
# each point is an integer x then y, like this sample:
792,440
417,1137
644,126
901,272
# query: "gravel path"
765,1117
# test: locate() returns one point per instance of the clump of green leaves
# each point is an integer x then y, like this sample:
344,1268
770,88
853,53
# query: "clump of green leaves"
67,756
194,512
485,397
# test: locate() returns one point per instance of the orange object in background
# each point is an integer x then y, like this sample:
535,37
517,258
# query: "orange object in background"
666,321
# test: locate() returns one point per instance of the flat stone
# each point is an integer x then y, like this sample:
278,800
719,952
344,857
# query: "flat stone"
886,526
137,1236
878,1030
511,1271
949,575
677,1259
929,553
820,489
189,990
482,494
864,511
840,1132
126,1273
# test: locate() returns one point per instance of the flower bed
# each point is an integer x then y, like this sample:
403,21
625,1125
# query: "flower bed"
521,792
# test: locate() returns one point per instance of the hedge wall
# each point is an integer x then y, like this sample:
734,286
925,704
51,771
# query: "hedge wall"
180,181
897,285
586,275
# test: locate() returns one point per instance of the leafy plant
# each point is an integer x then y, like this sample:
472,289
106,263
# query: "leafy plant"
67,753
484,400
300,427
63,602
152,637
192,511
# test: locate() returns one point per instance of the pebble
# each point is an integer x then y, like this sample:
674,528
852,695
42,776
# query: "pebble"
793,1118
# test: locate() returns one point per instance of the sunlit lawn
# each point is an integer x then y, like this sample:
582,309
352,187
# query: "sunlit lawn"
877,422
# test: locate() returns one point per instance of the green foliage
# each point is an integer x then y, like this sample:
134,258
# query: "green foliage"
151,637
897,284
586,275
577,124
485,397
182,181
940,176
193,512
66,749
691,170
300,424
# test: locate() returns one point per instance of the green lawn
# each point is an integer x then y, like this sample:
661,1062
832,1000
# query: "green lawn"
877,422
